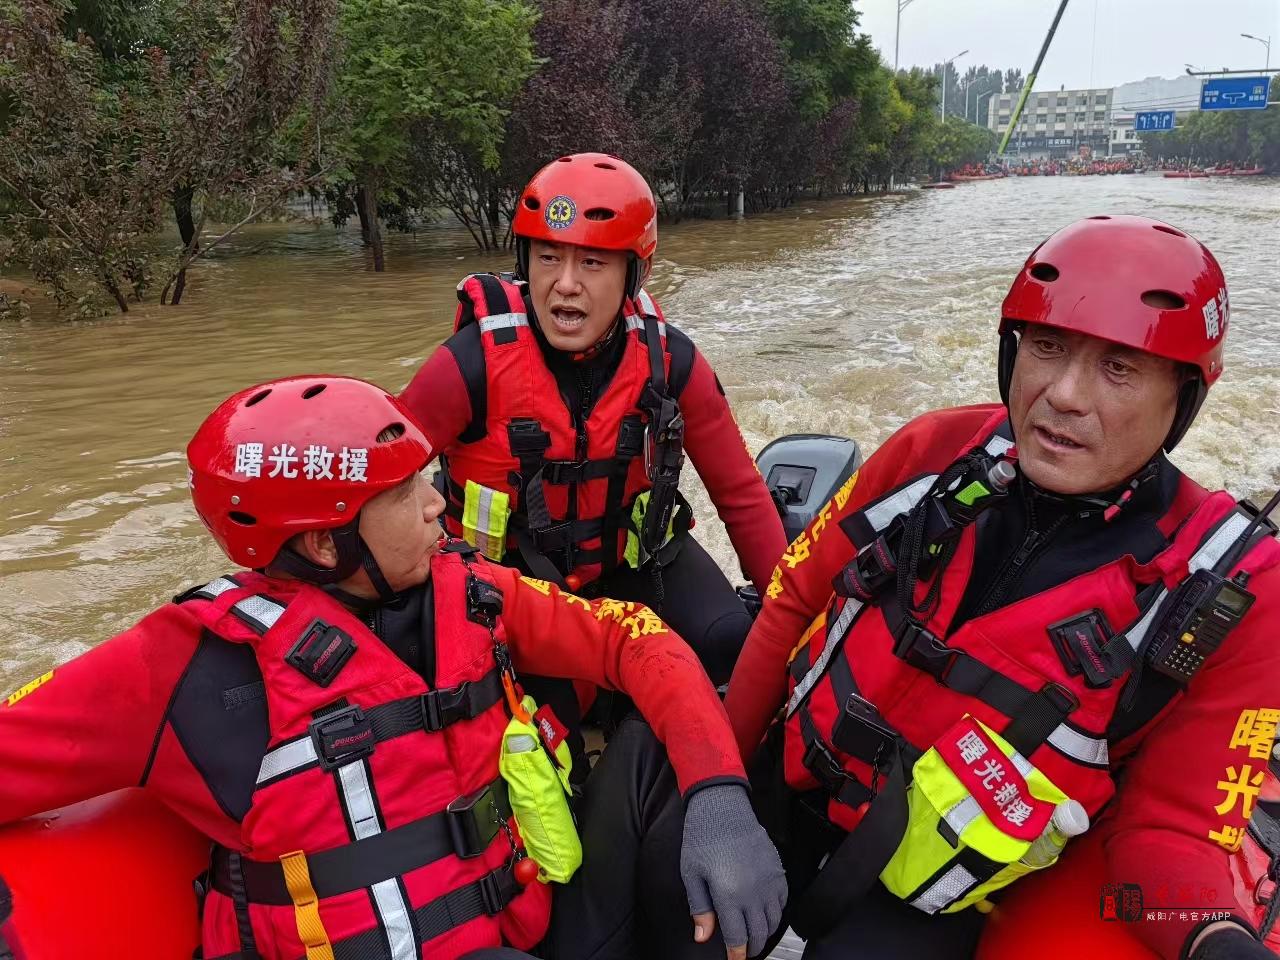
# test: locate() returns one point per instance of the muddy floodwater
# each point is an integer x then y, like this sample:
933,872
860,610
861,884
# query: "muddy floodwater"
846,316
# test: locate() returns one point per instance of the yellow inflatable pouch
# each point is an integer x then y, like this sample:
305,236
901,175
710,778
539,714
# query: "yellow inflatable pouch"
976,810
539,790
632,552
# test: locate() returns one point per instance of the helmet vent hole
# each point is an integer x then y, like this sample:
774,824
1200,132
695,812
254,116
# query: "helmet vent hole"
599,213
1164,300
244,519
1101,216
257,397
531,203
1169,230
564,160
606,166
1045,272
392,431
313,391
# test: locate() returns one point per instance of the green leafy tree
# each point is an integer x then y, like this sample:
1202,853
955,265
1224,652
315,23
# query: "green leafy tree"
424,87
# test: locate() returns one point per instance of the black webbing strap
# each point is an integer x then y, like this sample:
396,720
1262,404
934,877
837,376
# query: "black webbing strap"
629,446
487,896
1034,714
235,889
564,472
528,442
346,734
826,769
466,832
854,865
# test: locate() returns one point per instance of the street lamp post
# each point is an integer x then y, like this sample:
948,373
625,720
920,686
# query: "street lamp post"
978,109
902,5
1266,43
944,81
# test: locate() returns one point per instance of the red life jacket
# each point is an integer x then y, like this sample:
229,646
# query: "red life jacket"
868,681
379,823
572,485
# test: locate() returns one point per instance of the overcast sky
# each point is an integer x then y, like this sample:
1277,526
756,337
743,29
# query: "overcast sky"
1128,40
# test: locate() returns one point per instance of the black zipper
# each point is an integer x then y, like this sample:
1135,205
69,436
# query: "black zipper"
1016,566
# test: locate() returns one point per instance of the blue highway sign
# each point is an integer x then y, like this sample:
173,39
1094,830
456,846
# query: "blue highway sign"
1234,93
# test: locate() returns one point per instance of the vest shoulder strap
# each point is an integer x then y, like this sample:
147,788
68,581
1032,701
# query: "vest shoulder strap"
682,352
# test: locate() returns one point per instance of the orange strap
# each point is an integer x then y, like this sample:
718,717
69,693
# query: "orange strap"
306,907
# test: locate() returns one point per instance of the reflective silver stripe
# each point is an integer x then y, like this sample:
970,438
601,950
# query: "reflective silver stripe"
359,796
261,610
287,758
393,912
1136,634
998,445
1210,552
646,303
946,890
1213,549
637,323
217,588
835,637
963,814
1079,746
881,514
1021,764
500,321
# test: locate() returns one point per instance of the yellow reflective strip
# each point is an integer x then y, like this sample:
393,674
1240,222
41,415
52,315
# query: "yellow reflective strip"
306,908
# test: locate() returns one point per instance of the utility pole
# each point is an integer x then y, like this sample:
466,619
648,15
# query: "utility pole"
945,63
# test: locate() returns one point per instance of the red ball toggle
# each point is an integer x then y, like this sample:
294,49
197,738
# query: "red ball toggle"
526,871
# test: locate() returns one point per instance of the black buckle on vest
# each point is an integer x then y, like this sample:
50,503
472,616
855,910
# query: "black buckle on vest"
924,651
484,602
474,820
342,737
630,438
1060,698
860,731
321,652
562,472
840,785
443,707
496,888
527,438
558,536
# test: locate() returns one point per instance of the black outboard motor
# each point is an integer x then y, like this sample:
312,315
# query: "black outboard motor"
802,471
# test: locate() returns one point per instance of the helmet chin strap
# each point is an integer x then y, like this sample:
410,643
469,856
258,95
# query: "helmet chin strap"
353,554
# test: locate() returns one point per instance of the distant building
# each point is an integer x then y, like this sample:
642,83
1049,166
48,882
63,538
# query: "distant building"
1158,93
1055,123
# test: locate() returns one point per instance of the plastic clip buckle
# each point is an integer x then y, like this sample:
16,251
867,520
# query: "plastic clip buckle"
342,737
474,820
922,650
439,706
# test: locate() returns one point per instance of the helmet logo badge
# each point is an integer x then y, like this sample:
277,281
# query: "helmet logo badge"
561,212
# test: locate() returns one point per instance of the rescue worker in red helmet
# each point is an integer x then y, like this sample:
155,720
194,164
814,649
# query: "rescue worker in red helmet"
563,406
974,640
332,718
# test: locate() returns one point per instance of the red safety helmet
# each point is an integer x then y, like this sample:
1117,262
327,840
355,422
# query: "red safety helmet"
1133,281
299,454
588,200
